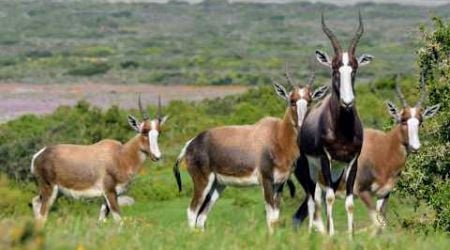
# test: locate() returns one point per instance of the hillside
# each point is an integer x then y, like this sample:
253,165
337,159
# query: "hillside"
208,43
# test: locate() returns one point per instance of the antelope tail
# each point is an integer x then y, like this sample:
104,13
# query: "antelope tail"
176,167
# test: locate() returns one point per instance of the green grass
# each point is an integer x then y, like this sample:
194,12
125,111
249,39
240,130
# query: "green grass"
236,221
158,219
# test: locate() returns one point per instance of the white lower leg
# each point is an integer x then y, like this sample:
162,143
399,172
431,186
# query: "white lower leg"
317,222
201,220
116,216
272,216
349,207
192,216
311,208
36,203
330,197
380,217
103,211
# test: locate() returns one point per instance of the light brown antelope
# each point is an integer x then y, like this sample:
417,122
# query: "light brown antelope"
383,156
101,169
332,132
258,154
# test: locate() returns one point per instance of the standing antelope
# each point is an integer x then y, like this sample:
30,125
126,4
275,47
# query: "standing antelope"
101,169
332,131
383,156
262,153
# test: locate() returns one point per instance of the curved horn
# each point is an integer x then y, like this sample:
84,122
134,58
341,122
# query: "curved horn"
159,108
422,90
336,46
357,36
288,77
399,93
311,79
143,113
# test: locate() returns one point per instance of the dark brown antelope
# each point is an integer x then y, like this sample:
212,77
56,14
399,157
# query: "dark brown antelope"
258,154
332,132
101,169
383,156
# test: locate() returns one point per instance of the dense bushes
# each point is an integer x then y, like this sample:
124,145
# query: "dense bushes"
428,174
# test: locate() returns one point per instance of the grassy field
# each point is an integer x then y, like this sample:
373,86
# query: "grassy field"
158,218
237,221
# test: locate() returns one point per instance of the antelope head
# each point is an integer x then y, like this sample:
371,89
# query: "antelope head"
344,64
149,130
300,96
411,117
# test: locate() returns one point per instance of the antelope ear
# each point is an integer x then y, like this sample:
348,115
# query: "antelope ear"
134,123
393,111
163,120
365,59
431,111
323,58
281,91
319,92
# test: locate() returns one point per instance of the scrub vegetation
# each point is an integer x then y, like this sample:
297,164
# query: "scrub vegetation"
418,212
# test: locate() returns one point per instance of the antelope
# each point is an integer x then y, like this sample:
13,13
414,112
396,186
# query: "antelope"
332,132
246,155
101,169
383,155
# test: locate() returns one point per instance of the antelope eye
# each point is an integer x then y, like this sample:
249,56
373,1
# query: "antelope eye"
293,103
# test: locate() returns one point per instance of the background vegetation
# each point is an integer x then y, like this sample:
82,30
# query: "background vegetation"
209,43
178,43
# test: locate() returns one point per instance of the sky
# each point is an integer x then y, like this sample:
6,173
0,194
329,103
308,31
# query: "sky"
338,2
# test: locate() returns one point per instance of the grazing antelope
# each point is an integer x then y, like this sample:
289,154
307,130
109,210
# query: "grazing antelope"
332,132
262,153
101,169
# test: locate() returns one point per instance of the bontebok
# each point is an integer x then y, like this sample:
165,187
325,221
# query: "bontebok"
383,155
259,154
330,132
101,169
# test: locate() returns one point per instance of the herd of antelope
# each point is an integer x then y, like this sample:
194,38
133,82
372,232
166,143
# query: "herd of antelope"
315,133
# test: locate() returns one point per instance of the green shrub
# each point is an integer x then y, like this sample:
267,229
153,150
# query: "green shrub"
428,174
89,69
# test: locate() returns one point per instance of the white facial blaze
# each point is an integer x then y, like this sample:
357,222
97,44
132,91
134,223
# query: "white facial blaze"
302,107
153,140
413,130
346,80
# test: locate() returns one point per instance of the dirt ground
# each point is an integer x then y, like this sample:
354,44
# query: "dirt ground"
18,98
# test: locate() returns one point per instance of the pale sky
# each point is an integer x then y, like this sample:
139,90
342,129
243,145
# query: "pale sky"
338,2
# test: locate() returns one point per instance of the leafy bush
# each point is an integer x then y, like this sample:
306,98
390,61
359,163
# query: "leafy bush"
89,68
428,174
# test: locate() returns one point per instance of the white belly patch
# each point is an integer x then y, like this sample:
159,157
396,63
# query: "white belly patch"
94,191
250,180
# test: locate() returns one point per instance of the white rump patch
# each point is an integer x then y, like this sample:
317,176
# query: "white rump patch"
121,188
346,89
413,130
280,177
153,140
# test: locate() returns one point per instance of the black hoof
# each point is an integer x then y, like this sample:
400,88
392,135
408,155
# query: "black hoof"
296,222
